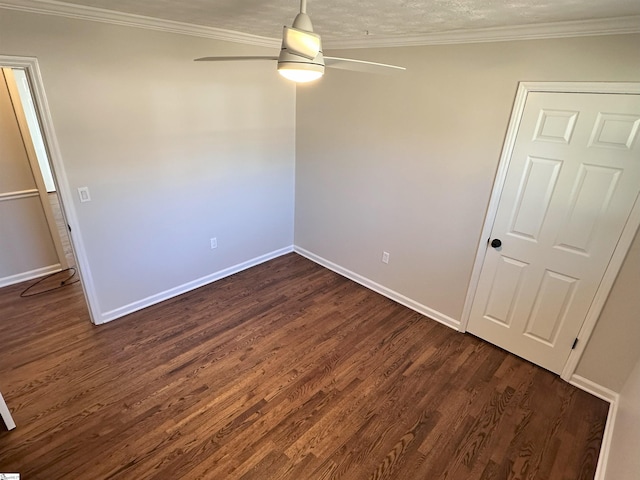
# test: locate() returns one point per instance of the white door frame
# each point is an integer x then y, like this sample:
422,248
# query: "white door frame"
524,88
30,65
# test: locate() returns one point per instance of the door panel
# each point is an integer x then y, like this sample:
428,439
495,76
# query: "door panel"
572,181
615,131
555,126
588,207
505,288
550,306
538,183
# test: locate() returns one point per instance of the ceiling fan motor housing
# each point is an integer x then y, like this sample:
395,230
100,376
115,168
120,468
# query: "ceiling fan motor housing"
303,22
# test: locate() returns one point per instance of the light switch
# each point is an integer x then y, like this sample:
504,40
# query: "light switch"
84,194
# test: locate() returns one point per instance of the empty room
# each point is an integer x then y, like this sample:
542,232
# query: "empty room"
352,240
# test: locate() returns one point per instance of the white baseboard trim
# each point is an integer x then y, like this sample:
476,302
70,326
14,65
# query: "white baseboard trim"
30,275
611,397
187,287
382,290
593,388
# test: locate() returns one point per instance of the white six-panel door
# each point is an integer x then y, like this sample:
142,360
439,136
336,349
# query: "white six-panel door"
573,179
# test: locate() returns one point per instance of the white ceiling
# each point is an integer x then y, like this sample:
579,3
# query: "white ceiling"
351,20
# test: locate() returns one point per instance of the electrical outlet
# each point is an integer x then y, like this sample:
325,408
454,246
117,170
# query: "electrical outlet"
385,257
214,243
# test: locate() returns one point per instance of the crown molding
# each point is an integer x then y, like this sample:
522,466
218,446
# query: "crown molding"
605,26
62,9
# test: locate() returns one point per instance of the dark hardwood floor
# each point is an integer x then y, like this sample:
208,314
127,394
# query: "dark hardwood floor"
284,371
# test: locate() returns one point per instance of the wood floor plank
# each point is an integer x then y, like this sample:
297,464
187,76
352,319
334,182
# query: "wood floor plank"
283,371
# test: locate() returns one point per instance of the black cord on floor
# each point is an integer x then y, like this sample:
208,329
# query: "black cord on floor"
63,283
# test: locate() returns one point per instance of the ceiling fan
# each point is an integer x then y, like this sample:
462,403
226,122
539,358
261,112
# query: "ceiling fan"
301,58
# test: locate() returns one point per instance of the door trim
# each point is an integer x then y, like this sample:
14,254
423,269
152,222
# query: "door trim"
524,88
30,65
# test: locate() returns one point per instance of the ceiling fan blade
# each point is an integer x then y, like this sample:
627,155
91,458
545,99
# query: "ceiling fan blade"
361,65
233,59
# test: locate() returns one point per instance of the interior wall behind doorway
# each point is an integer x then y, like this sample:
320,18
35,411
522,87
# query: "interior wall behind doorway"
27,247
31,116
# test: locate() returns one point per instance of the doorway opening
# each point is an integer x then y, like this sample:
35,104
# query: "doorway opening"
40,187
53,197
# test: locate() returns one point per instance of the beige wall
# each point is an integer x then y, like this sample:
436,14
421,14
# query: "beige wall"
406,163
624,462
614,347
174,152
26,246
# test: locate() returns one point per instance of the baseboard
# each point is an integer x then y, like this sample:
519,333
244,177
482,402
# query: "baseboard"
611,397
187,287
593,388
30,275
382,290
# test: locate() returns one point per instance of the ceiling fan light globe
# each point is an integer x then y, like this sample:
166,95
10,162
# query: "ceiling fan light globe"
300,74
300,69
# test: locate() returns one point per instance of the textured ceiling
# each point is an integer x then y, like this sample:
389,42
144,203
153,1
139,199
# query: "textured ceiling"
351,19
